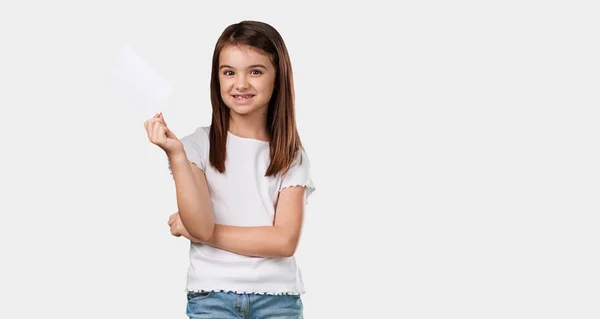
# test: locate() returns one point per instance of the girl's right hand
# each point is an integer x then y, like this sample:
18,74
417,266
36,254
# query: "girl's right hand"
160,135
177,228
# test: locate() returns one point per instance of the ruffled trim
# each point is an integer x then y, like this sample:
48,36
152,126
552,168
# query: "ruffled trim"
310,188
246,292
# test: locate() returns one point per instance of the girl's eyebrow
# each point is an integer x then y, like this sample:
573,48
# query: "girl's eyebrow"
249,67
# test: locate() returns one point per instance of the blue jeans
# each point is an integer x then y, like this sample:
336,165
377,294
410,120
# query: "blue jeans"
226,305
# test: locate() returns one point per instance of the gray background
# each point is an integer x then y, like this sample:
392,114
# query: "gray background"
454,147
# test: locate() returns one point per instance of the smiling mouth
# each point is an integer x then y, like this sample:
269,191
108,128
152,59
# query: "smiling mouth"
243,97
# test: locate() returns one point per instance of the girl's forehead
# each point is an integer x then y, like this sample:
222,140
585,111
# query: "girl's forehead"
242,54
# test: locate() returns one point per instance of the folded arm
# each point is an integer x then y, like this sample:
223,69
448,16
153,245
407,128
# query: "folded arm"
279,240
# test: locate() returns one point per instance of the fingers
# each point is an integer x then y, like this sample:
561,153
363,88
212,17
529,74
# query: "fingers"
173,218
175,231
176,227
157,118
166,127
169,133
149,125
158,132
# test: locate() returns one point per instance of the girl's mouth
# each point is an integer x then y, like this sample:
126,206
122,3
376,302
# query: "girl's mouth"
243,97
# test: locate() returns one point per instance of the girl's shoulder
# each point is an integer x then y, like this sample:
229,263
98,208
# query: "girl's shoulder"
199,136
200,132
196,145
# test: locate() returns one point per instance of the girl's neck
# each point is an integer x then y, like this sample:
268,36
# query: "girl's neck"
253,127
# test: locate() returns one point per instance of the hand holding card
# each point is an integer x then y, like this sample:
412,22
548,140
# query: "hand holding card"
160,135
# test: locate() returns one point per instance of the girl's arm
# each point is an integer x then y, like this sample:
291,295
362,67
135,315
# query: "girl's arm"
193,199
279,240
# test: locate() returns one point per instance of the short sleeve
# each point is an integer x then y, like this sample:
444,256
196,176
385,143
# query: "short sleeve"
195,146
299,174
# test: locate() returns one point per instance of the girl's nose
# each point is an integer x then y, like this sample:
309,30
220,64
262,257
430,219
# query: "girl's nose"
241,83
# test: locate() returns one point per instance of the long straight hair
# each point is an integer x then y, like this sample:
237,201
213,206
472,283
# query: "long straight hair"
281,120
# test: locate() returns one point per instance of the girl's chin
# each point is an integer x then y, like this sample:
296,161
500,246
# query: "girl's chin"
243,108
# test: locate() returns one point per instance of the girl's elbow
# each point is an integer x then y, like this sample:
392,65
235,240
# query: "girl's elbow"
288,252
209,231
288,249
204,233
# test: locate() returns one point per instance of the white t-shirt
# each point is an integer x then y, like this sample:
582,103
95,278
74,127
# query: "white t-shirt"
243,196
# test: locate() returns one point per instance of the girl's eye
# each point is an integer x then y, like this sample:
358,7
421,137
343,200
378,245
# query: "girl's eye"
228,73
256,72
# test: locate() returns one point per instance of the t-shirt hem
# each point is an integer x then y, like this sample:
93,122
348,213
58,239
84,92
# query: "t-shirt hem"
292,293
259,288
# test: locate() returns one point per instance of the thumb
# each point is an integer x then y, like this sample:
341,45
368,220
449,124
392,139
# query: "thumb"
169,133
167,130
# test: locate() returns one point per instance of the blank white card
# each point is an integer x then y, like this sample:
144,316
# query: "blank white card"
139,83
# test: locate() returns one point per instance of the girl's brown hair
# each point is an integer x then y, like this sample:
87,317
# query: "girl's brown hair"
281,121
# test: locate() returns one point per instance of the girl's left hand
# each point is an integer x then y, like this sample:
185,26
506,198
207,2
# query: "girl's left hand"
177,228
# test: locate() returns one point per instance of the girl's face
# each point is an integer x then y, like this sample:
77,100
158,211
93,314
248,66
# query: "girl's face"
247,79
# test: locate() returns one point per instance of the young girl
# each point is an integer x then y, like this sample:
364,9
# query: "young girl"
242,183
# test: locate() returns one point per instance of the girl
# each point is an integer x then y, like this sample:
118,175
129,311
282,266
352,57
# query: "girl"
242,183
